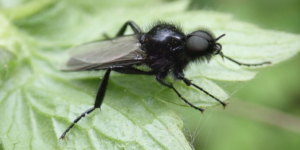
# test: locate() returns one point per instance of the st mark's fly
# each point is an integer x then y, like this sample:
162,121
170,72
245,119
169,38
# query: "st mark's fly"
164,50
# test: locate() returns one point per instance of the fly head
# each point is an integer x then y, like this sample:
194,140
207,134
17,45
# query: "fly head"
202,44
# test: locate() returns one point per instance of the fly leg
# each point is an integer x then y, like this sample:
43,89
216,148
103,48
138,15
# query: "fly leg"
121,32
97,104
131,70
244,64
102,90
133,26
188,82
160,78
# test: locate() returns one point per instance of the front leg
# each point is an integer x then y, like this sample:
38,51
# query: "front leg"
244,64
179,75
160,78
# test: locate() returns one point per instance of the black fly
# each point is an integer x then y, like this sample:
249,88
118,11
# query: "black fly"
164,50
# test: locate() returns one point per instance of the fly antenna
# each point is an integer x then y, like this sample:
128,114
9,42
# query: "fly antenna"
220,37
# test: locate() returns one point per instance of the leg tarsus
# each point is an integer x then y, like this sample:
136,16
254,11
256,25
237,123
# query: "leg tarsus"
179,95
75,121
199,88
244,64
189,83
169,85
98,102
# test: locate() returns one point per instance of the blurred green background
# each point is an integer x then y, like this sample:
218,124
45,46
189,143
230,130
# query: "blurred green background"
264,113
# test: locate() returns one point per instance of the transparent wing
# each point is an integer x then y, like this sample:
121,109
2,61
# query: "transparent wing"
103,54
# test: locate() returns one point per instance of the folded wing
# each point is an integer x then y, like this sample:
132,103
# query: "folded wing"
104,54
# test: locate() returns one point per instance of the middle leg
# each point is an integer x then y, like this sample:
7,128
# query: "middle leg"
159,78
188,82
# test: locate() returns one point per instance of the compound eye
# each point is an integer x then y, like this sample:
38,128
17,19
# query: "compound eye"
196,44
203,34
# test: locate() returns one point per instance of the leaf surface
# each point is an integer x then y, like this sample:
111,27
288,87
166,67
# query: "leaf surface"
38,102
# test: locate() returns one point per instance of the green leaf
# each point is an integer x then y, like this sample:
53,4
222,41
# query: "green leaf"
27,9
38,102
